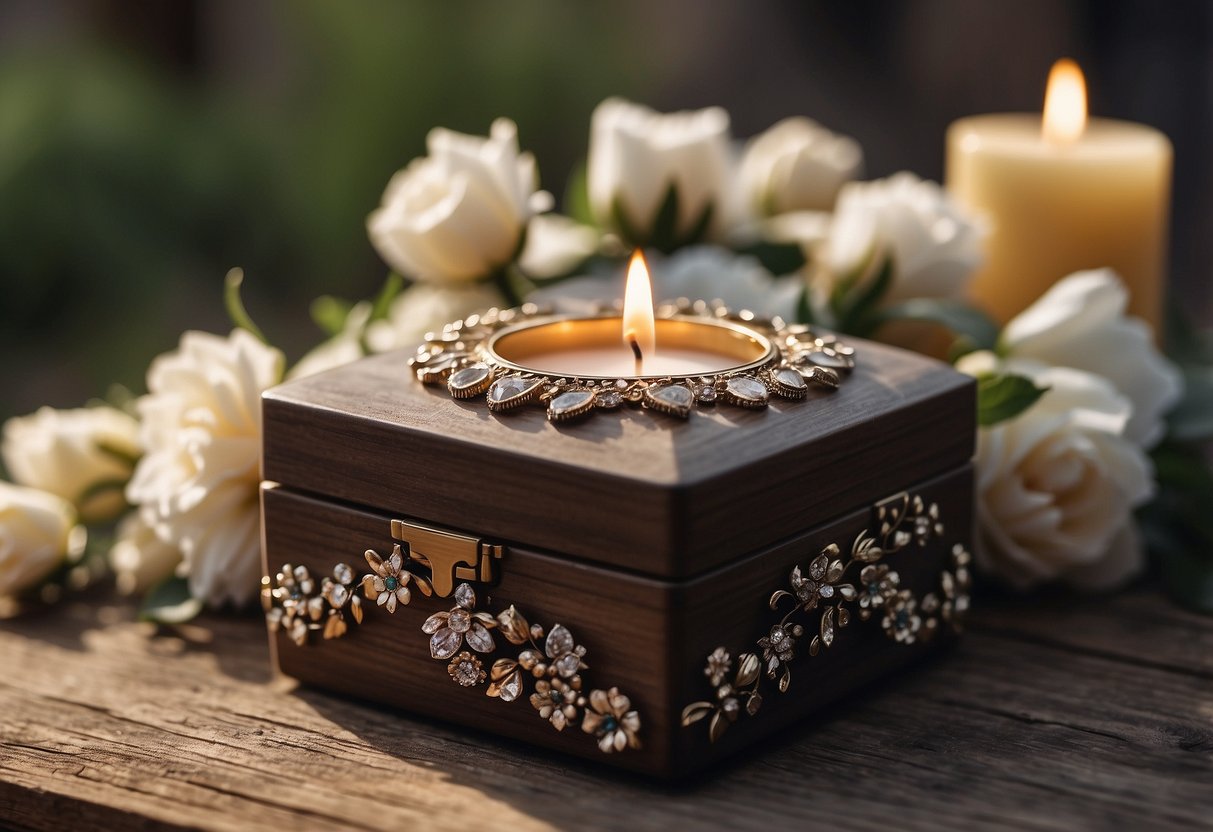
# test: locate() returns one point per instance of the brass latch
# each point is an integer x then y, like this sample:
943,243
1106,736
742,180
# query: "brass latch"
451,557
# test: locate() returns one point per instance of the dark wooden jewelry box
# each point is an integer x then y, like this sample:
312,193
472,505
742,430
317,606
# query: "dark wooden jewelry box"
652,593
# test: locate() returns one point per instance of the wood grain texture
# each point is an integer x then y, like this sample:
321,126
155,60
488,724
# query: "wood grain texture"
1068,714
632,489
646,636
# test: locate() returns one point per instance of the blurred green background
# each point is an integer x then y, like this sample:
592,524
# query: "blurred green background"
146,147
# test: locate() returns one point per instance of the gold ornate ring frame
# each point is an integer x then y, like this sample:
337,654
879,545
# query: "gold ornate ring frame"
499,354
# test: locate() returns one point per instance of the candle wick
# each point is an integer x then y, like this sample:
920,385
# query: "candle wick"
635,348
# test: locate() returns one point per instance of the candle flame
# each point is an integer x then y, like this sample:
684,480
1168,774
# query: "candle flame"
639,331
1065,115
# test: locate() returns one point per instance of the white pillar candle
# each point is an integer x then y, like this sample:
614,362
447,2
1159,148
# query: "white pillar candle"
1060,194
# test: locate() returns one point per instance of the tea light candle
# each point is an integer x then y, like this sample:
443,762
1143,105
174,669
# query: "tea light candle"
635,345
1063,194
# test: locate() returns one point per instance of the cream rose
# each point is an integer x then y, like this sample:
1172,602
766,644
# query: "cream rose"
457,215
424,308
636,154
197,482
38,532
341,349
84,456
797,165
556,245
934,245
139,558
1057,485
1080,322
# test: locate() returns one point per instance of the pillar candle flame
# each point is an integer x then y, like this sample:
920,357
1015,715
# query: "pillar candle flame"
1065,115
639,331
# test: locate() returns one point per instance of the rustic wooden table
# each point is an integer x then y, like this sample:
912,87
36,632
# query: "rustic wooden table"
1071,714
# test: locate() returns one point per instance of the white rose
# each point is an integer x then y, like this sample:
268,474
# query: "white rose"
636,154
139,558
555,245
707,272
935,246
1057,485
201,433
84,456
38,532
341,349
1080,322
425,308
457,215
797,165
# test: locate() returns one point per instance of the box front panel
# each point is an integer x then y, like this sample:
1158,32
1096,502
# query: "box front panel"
876,588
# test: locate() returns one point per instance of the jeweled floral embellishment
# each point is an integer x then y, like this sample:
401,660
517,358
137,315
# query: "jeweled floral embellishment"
339,592
292,602
388,584
719,665
466,669
610,718
901,619
819,590
727,705
449,630
553,658
779,646
879,585
556,700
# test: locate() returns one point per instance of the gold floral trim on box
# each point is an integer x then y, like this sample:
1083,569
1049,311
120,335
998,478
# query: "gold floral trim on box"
820,594
296,603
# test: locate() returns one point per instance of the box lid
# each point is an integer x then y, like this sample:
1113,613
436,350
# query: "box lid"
632,489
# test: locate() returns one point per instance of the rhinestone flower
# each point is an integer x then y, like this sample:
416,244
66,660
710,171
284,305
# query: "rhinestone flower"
466,669
879,586
388,586
448,630
777,648
719,665
556,701
610,717
901,620
298,605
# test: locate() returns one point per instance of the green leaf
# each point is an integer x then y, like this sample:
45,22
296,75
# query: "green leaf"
393,285
235,305
776,258
507,281
804,307
856,306
122,455
1192,418
1188,578
974,329
169,602
1002,396
577,197
699,231
120,397
622,224
1187,344
664,235
1178,526
329,313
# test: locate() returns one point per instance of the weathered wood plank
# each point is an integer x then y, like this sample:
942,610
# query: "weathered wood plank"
1058,717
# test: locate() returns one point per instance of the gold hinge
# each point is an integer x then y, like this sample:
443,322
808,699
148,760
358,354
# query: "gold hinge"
451,557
